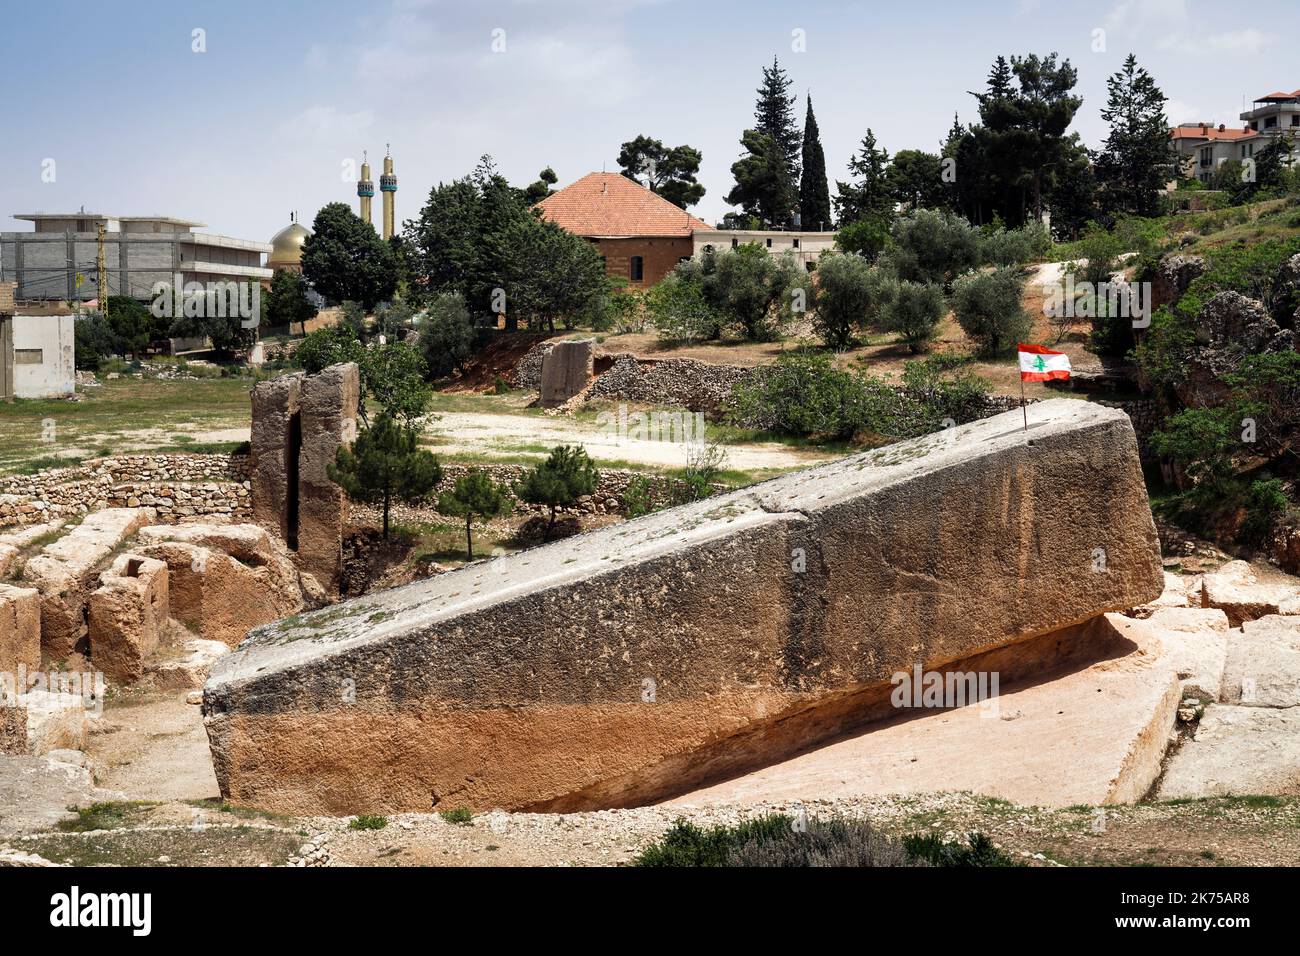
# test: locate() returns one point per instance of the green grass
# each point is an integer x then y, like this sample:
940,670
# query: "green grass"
105,816
116,416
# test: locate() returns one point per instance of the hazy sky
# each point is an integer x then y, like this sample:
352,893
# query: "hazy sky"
289,91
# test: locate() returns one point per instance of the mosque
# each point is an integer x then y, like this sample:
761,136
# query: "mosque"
286,245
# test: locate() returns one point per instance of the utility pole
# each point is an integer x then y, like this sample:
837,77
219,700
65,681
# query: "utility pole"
103,273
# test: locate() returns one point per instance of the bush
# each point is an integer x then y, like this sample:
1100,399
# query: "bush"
459,815
92,342
801,394
680,310
1011,247
447,335
1099,251
638,497
368,822
1266,503
625,308
777,840
977,851
844,296
328,346
933,246
914,312
703,465
394,373
747,284
989,310
866,237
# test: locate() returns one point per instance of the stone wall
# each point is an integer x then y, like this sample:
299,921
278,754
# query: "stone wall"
177,486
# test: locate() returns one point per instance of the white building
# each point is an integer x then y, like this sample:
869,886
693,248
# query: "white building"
806,247
37,357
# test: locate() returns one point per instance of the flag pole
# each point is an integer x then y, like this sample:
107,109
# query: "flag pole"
1023,410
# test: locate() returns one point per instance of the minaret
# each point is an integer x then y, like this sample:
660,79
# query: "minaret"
388,186
365,189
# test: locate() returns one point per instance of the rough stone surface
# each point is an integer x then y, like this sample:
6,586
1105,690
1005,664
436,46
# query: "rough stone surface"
1237,750
65,572
220,597
126,616
311,518
1263,667
20,629
36,792
1196,641
53,721
1081,718
190,670
1238,592
623,665
1229,327
1174,274
566,370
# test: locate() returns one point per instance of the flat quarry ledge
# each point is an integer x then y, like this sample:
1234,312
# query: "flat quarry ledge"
627,664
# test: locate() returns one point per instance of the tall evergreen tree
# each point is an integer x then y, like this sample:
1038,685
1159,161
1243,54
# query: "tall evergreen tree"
1135,162
763,188
814,193
869,194
774,116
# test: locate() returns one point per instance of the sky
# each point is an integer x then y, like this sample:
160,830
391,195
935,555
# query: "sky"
234,113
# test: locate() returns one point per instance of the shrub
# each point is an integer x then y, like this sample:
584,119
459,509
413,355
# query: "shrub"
844,297
1010,247
1266,503
446,335
368,822
460,815
777,840
802,393
989,310
978,850
638,498
703,465
328,346
866,237
933,246
747,284
680,310
394,373
625,308
1100,251
914,312
92,342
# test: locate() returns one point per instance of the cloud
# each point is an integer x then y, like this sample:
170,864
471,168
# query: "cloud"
1175,29
327,124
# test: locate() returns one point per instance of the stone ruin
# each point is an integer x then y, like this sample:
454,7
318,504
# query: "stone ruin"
299,421
566,369
636,662
138,601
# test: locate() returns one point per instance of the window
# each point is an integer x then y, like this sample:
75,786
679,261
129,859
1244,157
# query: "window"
1270,122
794,243
29,357
1295,120
636,268
734,243
769,242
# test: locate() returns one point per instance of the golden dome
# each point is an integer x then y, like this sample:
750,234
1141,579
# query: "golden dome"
286,247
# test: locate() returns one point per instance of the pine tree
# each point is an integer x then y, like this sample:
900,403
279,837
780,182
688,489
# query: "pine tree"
474,495
1134,164
814,193
869,194
385,464
774,116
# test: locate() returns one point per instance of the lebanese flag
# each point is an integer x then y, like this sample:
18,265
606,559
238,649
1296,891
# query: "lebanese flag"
1038,364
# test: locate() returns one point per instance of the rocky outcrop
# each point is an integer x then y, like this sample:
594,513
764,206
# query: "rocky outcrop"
20,629
641,660
127,615
1174,274
566,370
1229,327
682,383
65,572
223,579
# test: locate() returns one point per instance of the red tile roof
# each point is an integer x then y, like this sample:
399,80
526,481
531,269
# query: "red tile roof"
1209,132
609,205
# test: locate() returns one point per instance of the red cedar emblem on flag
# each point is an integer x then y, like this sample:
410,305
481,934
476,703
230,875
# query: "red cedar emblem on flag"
1038,364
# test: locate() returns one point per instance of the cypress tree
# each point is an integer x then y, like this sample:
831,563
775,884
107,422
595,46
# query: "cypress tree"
814,192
